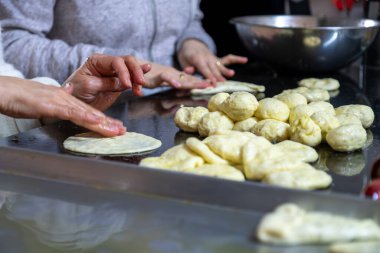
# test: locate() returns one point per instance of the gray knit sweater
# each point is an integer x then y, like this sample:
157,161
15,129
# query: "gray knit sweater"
53,37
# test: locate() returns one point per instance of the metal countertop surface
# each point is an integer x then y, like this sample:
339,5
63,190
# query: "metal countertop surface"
53,201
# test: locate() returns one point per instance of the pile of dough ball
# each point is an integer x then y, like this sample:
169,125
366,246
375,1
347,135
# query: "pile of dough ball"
302,115
238,155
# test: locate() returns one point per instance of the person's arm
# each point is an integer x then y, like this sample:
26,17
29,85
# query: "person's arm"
25,26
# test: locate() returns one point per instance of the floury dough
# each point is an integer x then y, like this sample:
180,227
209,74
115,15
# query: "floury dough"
95,144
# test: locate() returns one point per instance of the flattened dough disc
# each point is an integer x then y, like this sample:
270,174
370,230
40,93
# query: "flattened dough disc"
95,144
229,87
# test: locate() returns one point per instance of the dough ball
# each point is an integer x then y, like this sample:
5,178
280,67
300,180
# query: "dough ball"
292,99
218,170
229,146
347,138
240,106
204,151
213,122
363,112
300,111
245,125
306,178
316,83
188,118
322,106
216,100
325,121
272,130
313,95
271,108
347,119
305,131
298,152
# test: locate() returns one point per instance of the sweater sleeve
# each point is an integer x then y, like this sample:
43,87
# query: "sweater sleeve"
26,25
195,30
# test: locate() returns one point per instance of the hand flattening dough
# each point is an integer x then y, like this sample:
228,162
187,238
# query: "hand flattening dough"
347,138
289,224
213,122
95,144
188,118
272,130
271,108
240,106
363,112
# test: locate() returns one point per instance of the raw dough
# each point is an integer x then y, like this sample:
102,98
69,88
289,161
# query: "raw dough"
272,130
316,83
216,100
322,106
218,170
188,118
213,122
325,121
292,225
298,151
245,125
240,106
363,112
346,119
229,87
305,131
204,151
347,138
271,108
291,99
305,177
355,247
313,95
128,143
300,111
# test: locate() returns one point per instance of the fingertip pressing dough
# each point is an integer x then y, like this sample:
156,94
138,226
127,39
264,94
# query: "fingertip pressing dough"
272,130
245,125
292,99
214,103
305,131
213,122
188,118
363,112
328,84
271,108
128,143
240,106
347,138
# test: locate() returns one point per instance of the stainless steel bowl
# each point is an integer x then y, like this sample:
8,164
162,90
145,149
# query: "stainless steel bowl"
305,43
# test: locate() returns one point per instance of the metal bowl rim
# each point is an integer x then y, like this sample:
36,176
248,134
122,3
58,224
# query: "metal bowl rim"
239,21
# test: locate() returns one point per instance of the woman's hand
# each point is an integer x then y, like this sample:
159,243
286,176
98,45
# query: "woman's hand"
195,56
161,75
101,79
28,99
